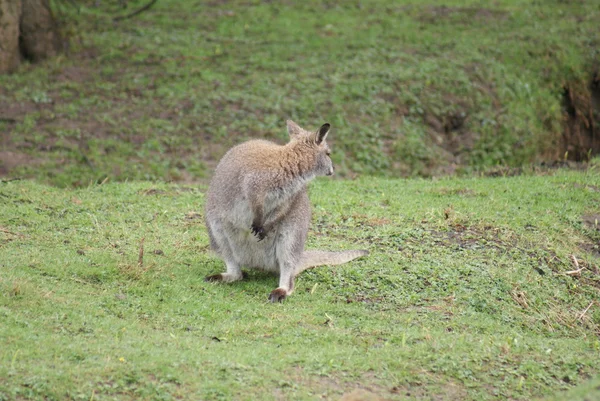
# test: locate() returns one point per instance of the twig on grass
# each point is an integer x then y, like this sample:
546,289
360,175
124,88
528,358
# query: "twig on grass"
141,254
136,12
4,230
585,310
577,270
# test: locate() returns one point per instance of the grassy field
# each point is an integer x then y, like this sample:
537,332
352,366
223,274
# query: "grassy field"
466,294
476,288
410,87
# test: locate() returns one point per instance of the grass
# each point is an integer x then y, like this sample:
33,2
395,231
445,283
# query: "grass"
465,295
469,291
411,89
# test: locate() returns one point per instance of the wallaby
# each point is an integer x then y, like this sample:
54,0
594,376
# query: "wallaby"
258,211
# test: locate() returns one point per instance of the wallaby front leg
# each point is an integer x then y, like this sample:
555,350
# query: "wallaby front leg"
257,204
234,273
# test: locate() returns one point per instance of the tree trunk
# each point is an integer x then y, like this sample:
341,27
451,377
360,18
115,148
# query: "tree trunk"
39,33
10,12
27,31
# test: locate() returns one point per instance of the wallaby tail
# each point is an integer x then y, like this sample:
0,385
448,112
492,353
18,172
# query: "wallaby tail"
319,258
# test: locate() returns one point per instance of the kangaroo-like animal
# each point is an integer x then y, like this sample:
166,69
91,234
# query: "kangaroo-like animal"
258,211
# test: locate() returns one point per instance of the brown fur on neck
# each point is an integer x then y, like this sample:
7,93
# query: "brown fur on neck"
293,160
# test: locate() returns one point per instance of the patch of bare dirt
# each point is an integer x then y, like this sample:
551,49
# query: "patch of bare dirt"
332,388
360,395
591,221
433,14
464,192
543,168
12,159
451,132
592,188
364,298
364,220
581,110
449,393
465,237
77,74
504,172
14,112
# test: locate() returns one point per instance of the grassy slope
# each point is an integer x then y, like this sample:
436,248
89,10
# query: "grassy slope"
163,95
461,298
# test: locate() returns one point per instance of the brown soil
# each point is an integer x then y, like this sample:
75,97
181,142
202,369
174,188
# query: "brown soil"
581,104
89,125
591,221
9,160
467,14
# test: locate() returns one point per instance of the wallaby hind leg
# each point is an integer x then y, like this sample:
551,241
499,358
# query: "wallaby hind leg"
289,248
286,286
220,244
234,273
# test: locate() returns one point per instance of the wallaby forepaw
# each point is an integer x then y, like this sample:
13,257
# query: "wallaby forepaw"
258,232
277,295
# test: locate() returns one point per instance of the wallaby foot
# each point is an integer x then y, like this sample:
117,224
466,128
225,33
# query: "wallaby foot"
225,277
278,295
286,285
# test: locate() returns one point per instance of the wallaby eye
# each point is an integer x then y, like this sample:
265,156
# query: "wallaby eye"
328,153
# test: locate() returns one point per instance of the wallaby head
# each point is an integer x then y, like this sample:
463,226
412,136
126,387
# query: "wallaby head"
315,142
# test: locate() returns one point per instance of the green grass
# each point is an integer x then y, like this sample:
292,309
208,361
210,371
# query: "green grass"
410,88
464,295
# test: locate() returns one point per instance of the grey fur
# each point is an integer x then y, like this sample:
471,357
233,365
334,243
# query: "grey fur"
258,212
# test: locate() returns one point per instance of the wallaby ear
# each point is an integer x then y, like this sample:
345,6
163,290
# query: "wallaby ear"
294,129
321,133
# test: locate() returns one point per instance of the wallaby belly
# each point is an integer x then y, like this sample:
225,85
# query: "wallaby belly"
252,253
237,243
234,240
